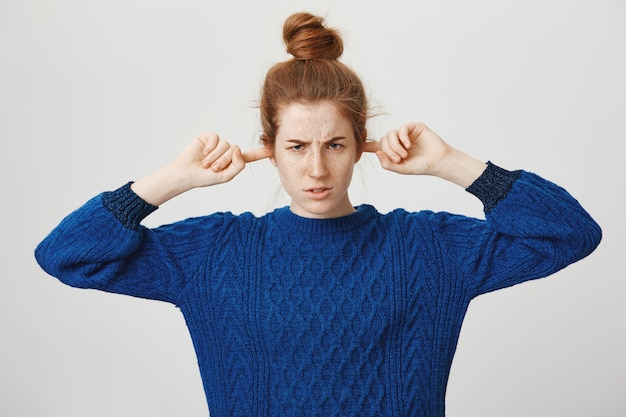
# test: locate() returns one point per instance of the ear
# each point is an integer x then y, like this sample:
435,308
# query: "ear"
360,153
270,145
272,158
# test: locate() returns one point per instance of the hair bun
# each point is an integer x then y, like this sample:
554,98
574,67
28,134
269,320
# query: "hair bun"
307,37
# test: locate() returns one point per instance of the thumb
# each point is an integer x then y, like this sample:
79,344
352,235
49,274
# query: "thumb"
256,154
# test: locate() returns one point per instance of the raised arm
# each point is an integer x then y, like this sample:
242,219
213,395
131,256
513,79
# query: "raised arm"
102,244
532,229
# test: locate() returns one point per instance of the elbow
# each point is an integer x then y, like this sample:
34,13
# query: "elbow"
584,240
46,260
54,262
593,237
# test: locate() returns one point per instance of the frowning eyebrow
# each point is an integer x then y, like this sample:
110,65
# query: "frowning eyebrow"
302,141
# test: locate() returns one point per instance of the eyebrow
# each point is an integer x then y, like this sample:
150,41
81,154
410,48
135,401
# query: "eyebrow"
302,141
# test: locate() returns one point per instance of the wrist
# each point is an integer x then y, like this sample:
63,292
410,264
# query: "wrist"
127,206
162,185
493,185
459,168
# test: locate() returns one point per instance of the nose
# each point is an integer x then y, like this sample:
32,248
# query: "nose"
317,165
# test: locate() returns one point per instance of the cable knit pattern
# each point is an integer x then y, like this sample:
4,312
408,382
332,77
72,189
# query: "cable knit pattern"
355,316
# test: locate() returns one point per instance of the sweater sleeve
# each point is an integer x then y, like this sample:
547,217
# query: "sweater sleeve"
532,228
103,246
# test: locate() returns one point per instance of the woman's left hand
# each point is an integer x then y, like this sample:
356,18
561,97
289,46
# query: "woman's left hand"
411,149
416,150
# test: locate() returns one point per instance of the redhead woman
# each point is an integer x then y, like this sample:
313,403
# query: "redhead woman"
322,308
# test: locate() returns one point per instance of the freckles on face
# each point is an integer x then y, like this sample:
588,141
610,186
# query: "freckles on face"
315,152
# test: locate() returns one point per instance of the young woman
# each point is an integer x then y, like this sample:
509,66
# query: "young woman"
321,308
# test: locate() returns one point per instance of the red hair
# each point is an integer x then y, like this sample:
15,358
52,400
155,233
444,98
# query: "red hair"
313,74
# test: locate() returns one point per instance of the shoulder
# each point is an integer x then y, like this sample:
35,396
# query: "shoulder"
420,216
431,224
215,225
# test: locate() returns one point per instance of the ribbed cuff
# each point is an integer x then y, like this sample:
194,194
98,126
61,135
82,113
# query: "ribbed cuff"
493,185
128,207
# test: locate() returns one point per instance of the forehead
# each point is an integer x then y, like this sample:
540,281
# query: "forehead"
319,120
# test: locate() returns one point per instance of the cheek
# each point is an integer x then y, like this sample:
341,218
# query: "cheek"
347,173
286,168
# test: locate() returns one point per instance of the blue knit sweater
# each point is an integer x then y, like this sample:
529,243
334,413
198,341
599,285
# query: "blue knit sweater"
354,316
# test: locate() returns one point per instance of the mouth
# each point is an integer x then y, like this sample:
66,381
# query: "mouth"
318,192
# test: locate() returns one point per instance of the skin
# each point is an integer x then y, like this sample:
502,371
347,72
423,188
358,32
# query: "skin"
314,152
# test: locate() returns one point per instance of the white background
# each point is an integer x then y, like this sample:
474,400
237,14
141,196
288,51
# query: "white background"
93,94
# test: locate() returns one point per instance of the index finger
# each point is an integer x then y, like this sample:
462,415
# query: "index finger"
256,154
371,146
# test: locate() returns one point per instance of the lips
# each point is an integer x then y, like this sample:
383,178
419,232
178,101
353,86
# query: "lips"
317,189
318,192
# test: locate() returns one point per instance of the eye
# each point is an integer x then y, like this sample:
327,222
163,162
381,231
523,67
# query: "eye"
335,146
296,148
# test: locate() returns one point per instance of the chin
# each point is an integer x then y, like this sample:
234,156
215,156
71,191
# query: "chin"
320,211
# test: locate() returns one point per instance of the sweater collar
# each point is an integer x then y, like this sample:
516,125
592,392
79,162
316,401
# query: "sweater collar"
285,217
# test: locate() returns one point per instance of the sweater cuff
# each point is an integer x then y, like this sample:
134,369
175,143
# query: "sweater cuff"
126,206
493,185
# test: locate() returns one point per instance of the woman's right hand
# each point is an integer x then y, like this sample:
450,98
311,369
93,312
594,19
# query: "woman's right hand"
205,161
208,160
